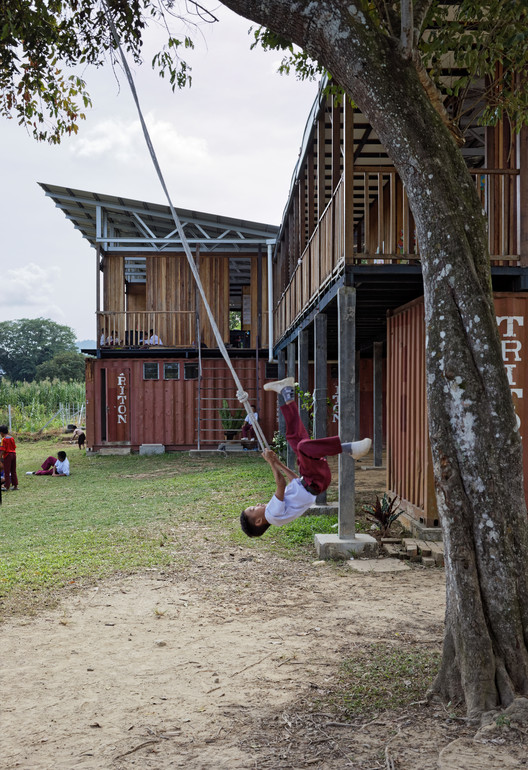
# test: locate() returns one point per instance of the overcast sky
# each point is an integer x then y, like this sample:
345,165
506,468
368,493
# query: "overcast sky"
226,146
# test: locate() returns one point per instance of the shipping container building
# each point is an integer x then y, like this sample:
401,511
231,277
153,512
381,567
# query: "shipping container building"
343,260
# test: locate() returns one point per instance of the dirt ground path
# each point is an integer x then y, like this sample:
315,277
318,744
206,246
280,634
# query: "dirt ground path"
224,665
187,664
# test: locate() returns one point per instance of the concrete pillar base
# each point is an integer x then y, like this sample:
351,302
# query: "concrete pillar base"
334,547
152,449
327,509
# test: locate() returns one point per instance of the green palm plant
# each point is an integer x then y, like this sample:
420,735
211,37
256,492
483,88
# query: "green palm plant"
384,512
231,421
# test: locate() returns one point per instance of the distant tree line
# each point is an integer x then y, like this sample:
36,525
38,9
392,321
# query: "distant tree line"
37,349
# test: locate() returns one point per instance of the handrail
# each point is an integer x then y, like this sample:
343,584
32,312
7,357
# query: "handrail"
135,328
384,232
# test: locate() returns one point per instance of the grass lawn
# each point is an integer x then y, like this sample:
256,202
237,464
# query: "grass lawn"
124,514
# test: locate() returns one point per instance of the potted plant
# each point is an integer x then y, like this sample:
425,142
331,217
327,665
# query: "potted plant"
231,421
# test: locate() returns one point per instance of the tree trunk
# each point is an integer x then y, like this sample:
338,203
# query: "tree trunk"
475,442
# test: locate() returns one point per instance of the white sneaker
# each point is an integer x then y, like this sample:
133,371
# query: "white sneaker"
360,448
278,385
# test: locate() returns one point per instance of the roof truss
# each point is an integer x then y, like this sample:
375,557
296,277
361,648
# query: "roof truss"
125,226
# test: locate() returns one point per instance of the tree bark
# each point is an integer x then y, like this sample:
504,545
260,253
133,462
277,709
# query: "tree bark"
475,442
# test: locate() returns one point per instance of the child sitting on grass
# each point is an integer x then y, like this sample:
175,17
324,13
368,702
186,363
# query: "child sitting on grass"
54,466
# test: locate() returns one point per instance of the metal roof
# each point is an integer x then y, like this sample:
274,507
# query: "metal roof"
136,228
123,225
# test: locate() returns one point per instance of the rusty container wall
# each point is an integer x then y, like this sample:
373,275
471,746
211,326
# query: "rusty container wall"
366,395
409,464
90,401
125,410
512,319
366,403
218,384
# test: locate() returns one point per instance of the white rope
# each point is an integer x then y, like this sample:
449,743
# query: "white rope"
216,331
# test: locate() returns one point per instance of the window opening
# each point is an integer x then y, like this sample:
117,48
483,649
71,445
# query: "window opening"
171,371
151,371
190,371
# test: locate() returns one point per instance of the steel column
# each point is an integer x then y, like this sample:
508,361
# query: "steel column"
378,404
303,367
320,383
346,303
290,364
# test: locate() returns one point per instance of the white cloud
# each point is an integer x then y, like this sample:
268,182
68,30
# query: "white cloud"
30,285
124,142
226,146
31,292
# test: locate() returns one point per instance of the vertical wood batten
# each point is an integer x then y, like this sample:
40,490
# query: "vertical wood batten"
366,198
359,415
321,162
336,142
393,240
378,404
522,194
310,191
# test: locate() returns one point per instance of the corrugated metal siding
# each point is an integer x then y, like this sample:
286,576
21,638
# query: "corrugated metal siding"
217,384
163,411
166,411
366,404
409,464
512,318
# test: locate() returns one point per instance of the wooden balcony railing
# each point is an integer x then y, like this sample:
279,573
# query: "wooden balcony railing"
134,329
384,232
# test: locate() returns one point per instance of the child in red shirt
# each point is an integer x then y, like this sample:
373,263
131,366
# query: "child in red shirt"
8,451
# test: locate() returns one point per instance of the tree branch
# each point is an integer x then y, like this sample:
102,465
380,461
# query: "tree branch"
436,97
421,8
385,15
406,28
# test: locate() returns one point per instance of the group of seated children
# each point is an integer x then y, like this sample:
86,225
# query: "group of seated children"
139,337
248,432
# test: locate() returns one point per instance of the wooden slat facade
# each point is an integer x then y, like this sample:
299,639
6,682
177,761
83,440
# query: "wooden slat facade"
214,274
169,290
409,462
166,303
386,234
348,206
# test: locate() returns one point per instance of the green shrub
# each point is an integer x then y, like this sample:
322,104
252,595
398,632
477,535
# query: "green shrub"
384,512
231,421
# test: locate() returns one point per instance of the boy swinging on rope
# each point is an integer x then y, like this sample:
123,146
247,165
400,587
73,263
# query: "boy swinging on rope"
294,496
